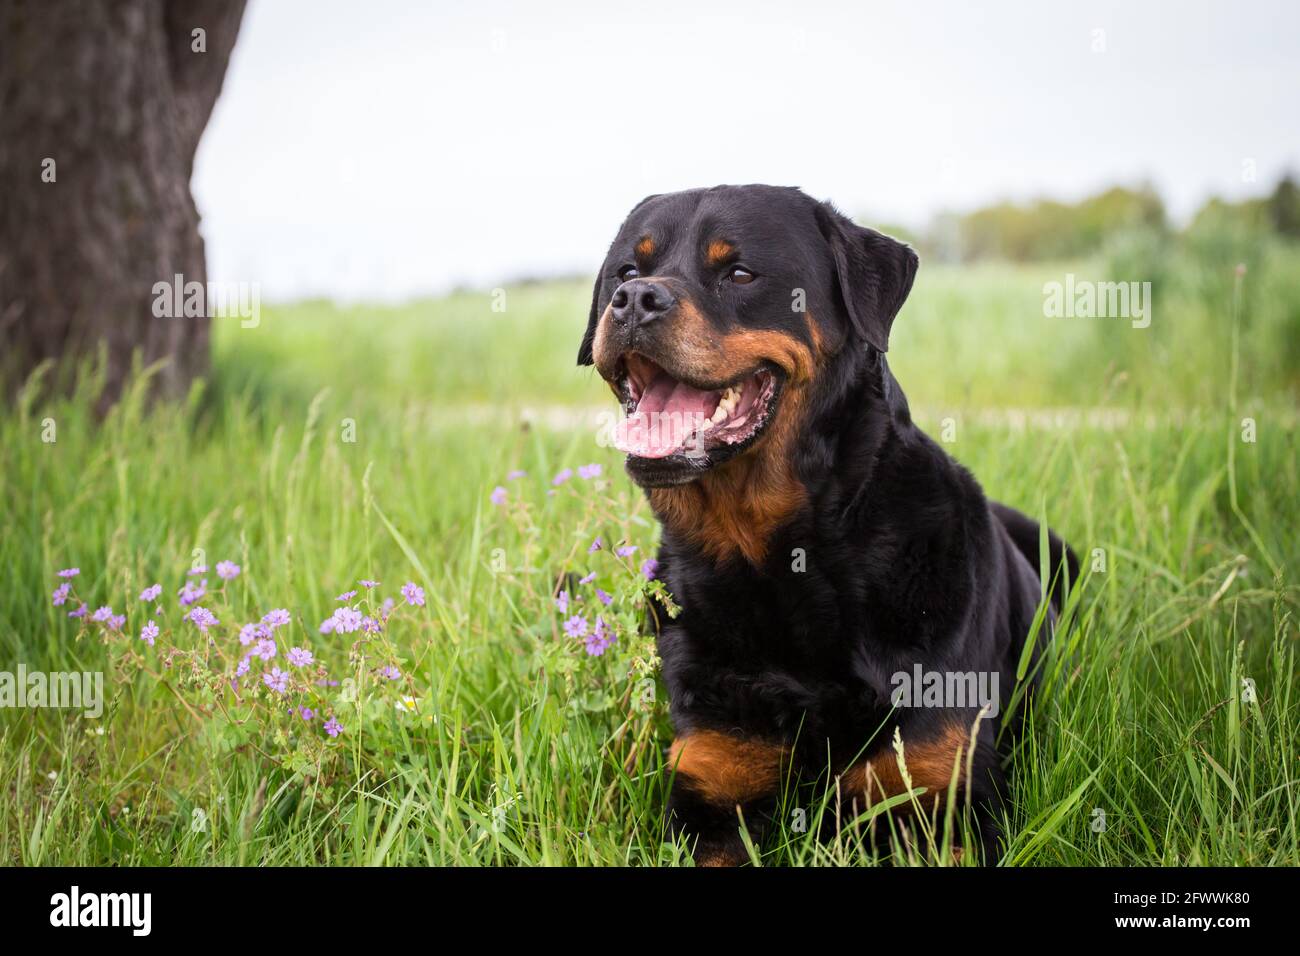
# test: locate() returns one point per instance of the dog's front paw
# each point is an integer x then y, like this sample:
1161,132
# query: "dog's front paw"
720,851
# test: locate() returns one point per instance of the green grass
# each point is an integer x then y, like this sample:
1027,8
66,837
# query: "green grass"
524,751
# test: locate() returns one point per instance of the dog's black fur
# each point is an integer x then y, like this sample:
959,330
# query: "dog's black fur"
906,561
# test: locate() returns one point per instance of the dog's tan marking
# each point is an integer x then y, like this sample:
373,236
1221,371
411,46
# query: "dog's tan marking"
719,251
815,333
930,764
726,770
645,248
702,354
734,509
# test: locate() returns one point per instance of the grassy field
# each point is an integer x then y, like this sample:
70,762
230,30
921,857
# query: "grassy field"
335,444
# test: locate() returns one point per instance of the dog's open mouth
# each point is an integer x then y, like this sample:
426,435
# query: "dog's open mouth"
666,416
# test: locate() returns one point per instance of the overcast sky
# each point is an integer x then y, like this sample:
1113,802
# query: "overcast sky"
383,150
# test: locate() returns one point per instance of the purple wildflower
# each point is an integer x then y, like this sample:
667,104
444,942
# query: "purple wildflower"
346,596
242,669
277,680
626,551
116,621
151,593
370,625
252,632
60,594
276,618
562,602
595,546
498,496
202,618
575,626
390,672
300,657
69,572
327,625
306,713
562,476
413,593
265,649
102,614
605,597
333,727
589,471
600,639
227,570
588,579
368,584
516,474
197,570
79,612
649,567
346,620
148,633
191,594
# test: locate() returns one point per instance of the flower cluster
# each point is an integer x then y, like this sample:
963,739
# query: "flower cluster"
299,690
600,598
589,472
597,635
241,665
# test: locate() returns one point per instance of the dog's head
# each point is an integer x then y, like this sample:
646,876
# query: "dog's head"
717,311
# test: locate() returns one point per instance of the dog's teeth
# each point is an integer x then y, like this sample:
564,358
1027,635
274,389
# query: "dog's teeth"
720,413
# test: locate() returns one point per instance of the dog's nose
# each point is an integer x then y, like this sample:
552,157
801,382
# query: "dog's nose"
638,301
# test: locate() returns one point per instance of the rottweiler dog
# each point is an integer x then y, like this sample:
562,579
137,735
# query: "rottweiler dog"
825,553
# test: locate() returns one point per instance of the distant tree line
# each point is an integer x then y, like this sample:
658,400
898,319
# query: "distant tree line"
1046,229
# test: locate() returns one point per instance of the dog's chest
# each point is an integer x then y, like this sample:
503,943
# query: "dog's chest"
773,653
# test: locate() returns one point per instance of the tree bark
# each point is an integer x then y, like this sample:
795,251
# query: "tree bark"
116,96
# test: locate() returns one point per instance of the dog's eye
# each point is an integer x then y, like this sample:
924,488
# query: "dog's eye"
627,272
740,276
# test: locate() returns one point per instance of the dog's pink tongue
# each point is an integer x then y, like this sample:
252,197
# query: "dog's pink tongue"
667,415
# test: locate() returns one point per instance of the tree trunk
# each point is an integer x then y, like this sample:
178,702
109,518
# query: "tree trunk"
101,109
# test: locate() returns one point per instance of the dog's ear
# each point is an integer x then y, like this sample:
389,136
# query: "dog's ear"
875,274
584,350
